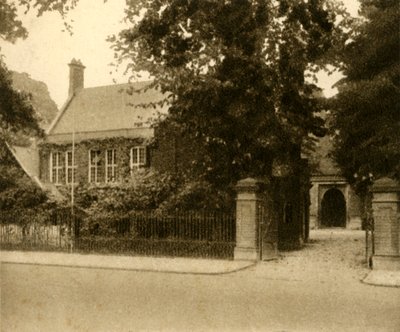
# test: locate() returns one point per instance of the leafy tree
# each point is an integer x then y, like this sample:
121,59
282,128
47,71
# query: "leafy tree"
367,107
16,189
16,112
41,101
235,72
17,115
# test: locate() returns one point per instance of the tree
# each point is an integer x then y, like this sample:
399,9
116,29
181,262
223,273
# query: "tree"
367,107
235,72
16,112
18,117
45,107
17,190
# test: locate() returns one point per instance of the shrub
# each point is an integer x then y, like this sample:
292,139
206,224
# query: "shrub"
107,206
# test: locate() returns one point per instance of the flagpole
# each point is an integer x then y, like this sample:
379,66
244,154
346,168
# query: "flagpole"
73,182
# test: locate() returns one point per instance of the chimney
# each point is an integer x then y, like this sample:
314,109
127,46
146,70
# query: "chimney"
76,76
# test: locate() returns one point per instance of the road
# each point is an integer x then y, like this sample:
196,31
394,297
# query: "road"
315,289
40,298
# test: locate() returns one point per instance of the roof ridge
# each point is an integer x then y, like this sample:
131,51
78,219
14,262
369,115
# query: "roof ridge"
109,107
116,84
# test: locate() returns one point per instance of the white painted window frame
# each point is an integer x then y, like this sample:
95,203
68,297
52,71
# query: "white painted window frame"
112,166
95,166
135,164
55,169
71,167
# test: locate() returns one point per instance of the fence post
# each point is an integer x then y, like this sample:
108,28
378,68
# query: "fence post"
386,213
247,223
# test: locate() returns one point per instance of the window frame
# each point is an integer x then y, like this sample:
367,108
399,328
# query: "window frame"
72,168
56,169
111,166
95,166
134,165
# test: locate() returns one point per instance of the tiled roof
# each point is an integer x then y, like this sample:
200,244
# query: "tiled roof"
28,158
108,108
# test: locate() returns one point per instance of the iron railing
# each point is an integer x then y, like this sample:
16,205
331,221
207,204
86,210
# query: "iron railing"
30,232
184,234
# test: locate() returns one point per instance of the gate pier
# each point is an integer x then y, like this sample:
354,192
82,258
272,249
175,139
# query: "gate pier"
249,199
386,212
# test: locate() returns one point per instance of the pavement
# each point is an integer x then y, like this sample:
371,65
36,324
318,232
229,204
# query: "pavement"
133,263
171,265
383,278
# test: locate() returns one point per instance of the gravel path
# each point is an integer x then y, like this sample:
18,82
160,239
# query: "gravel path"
331,254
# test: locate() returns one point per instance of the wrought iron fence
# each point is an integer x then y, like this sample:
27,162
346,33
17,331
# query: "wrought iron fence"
31,232
184,234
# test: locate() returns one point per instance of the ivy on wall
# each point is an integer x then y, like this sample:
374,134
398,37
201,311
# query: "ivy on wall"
122,145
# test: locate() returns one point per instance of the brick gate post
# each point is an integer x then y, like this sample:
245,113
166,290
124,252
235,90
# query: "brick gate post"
249,197
386,213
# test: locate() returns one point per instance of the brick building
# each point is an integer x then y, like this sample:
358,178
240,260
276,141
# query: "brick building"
113,134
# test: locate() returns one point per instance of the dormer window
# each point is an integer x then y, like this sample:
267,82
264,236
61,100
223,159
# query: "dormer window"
138,157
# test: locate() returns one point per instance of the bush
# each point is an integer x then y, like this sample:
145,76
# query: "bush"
107,206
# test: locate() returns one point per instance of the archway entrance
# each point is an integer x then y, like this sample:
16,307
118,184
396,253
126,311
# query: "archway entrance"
333,209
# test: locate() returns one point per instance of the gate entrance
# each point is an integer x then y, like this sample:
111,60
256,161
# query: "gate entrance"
268,230
333,209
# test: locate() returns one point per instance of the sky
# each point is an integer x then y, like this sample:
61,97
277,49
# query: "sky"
44,55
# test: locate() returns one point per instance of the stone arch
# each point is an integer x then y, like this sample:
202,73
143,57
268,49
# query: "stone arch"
333,209
324,188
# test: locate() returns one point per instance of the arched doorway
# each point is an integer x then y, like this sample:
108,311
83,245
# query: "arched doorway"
333,209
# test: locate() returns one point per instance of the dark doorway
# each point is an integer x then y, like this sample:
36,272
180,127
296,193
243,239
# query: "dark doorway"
333,209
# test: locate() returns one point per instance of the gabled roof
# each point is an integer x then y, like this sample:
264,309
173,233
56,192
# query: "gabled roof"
108,109
28,159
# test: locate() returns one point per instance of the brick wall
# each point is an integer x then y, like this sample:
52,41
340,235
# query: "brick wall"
167,152
122,155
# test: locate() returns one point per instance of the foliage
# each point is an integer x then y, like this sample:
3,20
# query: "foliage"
11,27
22,201
16,112
105,205
367,107
16,189
44,106
146,190
18,120
236,74
200,195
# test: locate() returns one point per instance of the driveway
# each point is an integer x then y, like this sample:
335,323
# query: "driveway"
331,255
